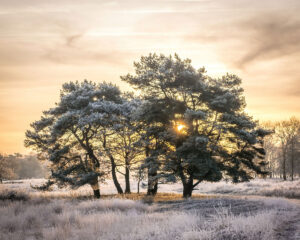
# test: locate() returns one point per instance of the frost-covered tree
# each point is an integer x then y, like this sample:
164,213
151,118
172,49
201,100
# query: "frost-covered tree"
120,138
126,147
272,150
288,135
67,134
92,125
283,148
196,125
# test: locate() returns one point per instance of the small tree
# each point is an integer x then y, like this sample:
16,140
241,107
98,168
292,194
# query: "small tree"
126,148
139,175
120,139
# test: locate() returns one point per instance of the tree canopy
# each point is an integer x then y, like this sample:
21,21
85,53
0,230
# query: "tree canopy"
202,120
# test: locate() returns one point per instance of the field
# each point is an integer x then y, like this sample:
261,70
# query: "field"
217,211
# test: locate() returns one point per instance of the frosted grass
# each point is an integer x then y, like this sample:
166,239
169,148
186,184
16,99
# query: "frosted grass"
126,219
262,187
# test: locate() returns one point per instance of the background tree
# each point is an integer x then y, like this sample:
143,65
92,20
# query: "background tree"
18,166
196,122
287,133
283,148
26,166
6,171
272,150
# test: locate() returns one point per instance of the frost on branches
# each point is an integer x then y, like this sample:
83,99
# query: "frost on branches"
74,134
216,138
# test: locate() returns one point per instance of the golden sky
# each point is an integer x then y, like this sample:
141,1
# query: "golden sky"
46,43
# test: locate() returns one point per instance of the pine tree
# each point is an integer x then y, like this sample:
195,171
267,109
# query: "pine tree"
90,133
67,134
196,125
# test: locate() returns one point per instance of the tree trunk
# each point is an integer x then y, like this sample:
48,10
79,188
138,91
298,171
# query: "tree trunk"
188,186
152,183
138,186
114,175
188,189
284,165
139,180
284,169
92,156
292,161
186,183
127,178
113,167
152,188
95,186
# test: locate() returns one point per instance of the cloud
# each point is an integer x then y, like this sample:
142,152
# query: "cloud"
71,39
270,37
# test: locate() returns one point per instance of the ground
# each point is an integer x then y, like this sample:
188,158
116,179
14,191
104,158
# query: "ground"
240,214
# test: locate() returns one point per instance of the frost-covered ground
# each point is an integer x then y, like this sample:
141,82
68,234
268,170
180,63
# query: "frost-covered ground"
33,215
219,219
262,187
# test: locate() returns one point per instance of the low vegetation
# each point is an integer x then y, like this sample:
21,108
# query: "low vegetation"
44,218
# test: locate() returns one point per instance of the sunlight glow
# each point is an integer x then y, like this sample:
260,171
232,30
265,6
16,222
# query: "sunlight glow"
180,127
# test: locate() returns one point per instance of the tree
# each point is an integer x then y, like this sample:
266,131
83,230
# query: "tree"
126,148
288,133
139,175
154,145
92,125
120,139
272,150
196,125
6,171
25,166
67,134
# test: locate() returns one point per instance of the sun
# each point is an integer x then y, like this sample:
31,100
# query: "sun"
180,127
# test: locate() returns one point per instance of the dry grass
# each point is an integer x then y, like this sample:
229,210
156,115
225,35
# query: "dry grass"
159,197
64,215
7,194
121,219
263,187
73,215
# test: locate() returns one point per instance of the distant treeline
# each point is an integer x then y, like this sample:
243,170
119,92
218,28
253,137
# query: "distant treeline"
283,148
18,166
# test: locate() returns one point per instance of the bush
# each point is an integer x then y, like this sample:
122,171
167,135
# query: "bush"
13,195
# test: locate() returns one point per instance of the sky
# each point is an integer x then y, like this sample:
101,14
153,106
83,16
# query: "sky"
46,43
